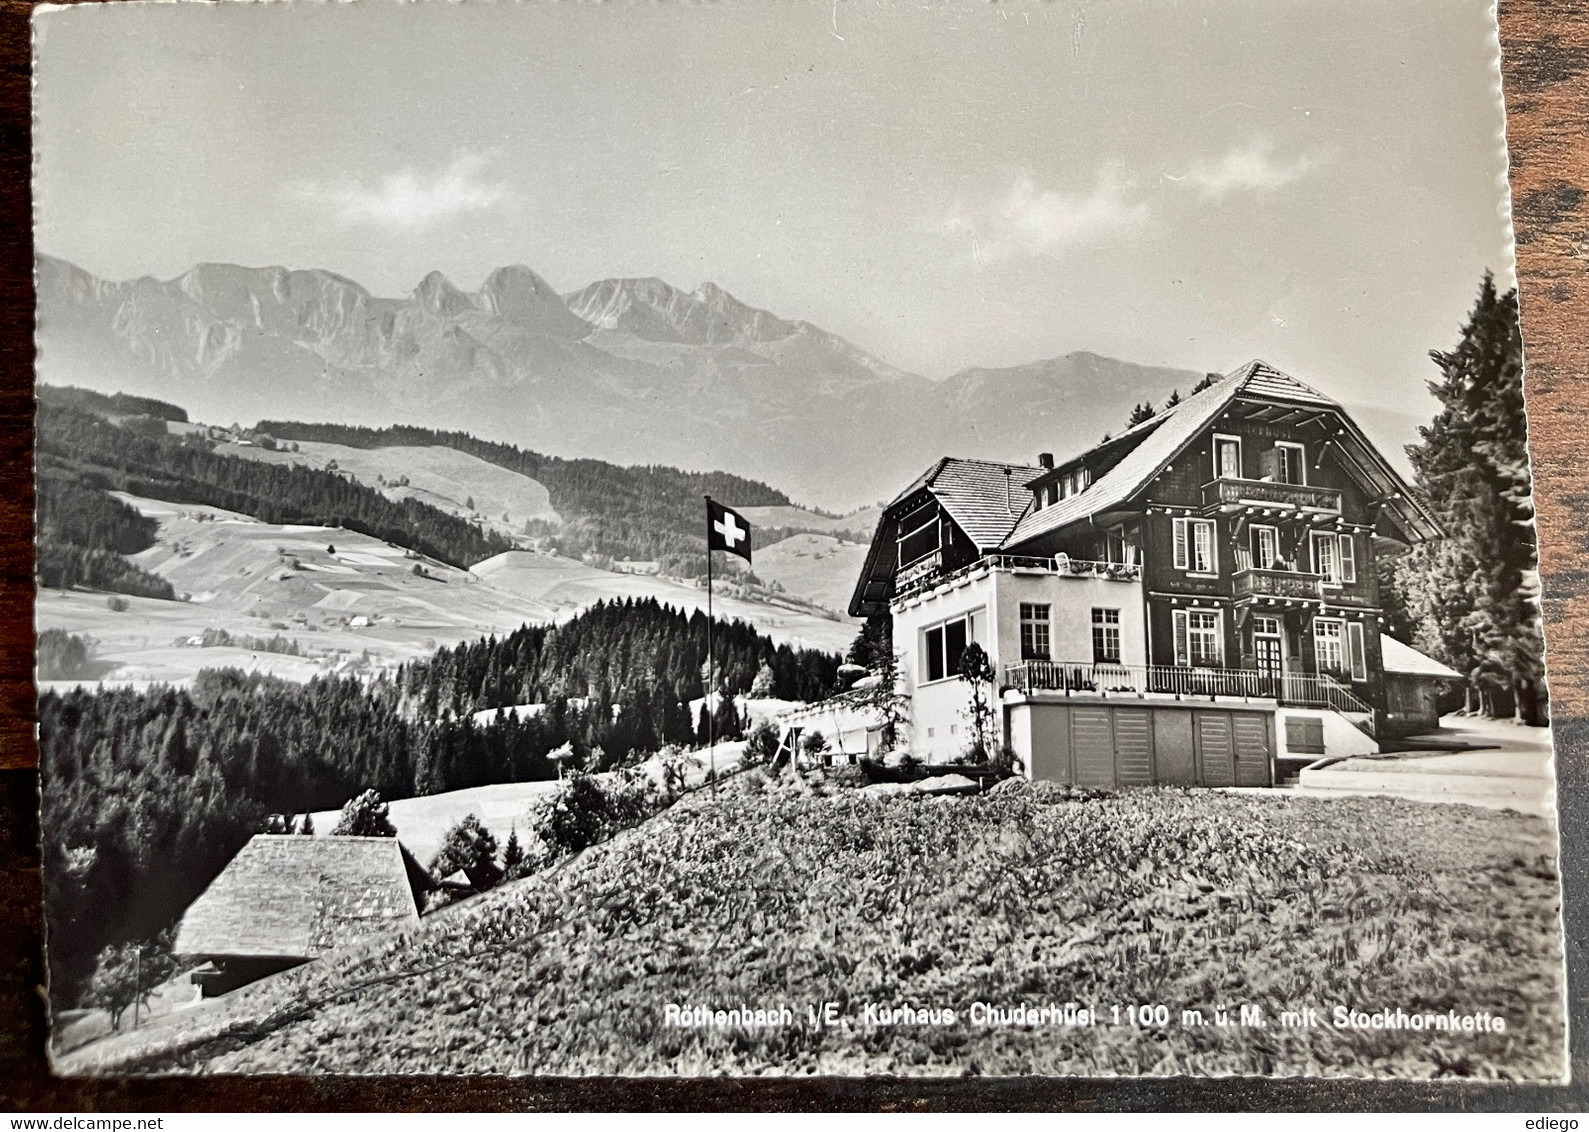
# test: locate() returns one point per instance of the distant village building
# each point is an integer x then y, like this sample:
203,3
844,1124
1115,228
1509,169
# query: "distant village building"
636,566
1193,601
285,900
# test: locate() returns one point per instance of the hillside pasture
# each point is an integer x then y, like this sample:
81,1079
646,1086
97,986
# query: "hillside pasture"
442,477
571,586
818,567
793,892
422,823
863,521
346,599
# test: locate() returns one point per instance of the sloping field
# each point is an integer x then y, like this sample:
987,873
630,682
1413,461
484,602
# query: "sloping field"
814,566
1192,901
862,521
421,823
438,475
347,601
570,586
337,595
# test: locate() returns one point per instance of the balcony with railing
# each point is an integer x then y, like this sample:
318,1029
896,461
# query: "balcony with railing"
1254,582
1084,678
928,573
1229,493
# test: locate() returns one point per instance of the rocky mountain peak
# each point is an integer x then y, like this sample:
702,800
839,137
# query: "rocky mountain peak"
437,295
518,295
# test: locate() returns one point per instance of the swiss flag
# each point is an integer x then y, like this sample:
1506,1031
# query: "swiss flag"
726,529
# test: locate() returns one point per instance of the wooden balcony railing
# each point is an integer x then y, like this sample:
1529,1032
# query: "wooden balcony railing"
1254,582
1087,678
1229,493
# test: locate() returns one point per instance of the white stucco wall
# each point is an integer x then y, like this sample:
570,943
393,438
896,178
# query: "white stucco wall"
940,709
1071,602
940,724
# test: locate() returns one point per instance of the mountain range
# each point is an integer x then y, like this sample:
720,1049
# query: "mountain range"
633,371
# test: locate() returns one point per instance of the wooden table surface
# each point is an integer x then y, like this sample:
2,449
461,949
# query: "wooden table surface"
1546,73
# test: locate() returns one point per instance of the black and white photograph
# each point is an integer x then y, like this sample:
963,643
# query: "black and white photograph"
827,538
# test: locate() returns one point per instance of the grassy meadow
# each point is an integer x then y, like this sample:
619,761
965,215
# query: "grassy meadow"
792,891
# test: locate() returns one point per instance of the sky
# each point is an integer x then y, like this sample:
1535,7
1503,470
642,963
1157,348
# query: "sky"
1185,183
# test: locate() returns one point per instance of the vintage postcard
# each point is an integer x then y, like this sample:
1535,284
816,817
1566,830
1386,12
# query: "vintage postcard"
788,538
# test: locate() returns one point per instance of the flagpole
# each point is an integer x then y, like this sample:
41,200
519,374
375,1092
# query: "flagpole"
711,742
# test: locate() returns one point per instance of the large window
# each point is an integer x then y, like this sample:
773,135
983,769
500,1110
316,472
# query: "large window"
1329,646
1194,546
1197,637
1106,636
918,535
1335,558
1034,632
1227,457
944,646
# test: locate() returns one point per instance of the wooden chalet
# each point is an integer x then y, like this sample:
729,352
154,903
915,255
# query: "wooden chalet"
1195,600
285,900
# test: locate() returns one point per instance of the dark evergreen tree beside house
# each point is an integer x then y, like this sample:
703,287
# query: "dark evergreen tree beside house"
1472,598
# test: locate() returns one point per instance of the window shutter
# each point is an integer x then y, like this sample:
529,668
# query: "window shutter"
1354,642
1348,560
1180,544
1178,618
1269,463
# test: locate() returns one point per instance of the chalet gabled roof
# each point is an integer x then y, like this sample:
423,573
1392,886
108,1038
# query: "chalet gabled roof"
984,498
1181,425
1177,428
294,896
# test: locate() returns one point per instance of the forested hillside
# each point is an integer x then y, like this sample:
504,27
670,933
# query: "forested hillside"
147,794
74,444
636,512
83,534
109,404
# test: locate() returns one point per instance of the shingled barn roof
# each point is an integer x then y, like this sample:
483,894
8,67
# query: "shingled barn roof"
298,897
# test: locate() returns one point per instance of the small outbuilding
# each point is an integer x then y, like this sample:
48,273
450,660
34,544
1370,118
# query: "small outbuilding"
285,900
1415,684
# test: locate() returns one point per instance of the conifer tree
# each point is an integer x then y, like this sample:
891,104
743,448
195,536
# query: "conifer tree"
1472,598
513,863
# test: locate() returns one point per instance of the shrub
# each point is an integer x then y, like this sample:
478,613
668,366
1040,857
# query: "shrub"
761,745
470,847
590,809
116,603
129,972
62,655
364,816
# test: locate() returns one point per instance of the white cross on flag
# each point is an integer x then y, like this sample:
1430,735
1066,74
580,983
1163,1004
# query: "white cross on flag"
726,529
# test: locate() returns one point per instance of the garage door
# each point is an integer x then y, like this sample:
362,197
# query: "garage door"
1104,745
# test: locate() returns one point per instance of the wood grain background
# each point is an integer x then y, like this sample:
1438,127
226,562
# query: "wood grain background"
1546,73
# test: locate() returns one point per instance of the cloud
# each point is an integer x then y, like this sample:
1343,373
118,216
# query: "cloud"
1246,169
1034,222
409,199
